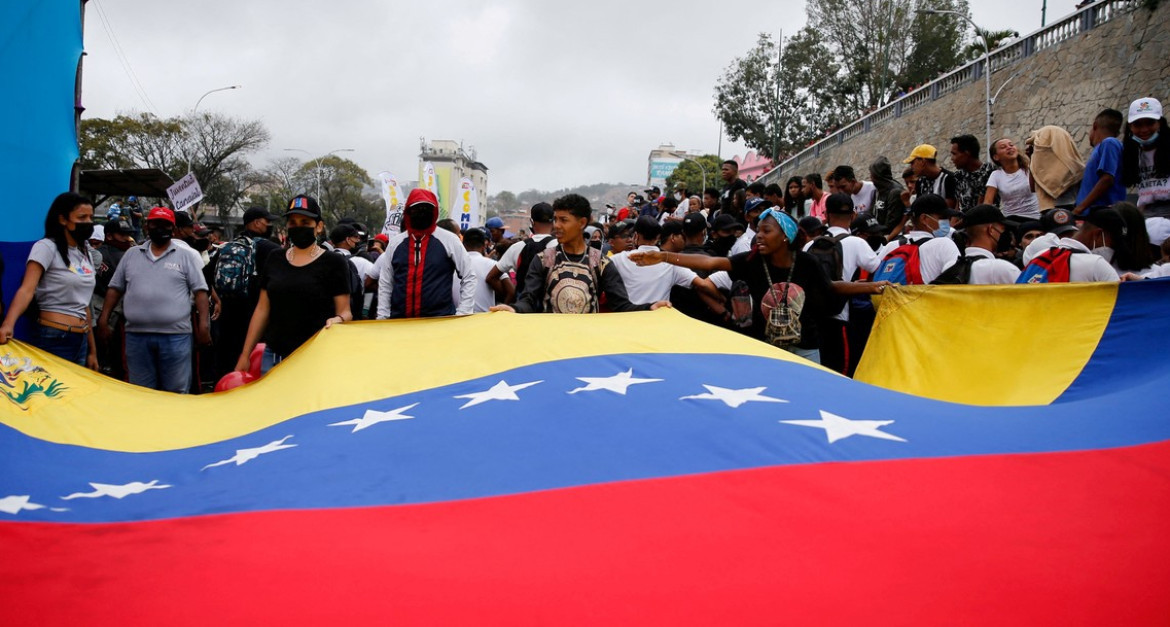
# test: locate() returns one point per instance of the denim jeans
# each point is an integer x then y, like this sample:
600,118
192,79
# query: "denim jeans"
811,354
160,361
73,347
267,360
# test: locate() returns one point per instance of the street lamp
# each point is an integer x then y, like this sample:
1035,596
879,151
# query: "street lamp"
317,160
987,69
195,110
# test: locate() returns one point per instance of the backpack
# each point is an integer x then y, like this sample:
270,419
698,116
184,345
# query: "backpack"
958,273
531,249
901,265
1050,266
828,252
236,267
356,287
572,286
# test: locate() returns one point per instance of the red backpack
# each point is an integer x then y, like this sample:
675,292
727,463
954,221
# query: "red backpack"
1050,266
901,265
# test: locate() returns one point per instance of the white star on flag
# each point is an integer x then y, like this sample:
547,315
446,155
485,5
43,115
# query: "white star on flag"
734,398
372,418
246,455
116,491
498,392
17,503
838,428
619,382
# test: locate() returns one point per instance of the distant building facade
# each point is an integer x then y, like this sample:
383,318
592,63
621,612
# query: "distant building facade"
452,163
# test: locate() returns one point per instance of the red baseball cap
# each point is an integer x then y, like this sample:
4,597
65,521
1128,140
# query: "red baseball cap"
382,237
161,213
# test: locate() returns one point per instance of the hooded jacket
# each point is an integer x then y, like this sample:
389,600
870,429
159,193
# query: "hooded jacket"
417,269
887,206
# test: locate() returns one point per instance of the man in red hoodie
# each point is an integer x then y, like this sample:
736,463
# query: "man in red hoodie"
420,263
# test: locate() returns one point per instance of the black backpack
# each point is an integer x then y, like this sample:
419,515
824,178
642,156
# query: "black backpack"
531,249
356,288
959,273
826,249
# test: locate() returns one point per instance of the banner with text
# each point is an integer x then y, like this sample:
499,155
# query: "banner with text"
185,193
467,205
392,196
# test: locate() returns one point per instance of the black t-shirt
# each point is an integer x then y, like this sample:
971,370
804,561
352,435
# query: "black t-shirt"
820,304
300,299
726,198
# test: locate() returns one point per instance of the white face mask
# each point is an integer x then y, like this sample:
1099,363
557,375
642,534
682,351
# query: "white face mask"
1104,251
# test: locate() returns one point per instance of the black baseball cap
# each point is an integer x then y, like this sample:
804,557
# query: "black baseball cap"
725,222
694,223
183,219
304,206
256,213
1109,220
653,189
1059,222
867,224
934,205
620,228
541,212
983,214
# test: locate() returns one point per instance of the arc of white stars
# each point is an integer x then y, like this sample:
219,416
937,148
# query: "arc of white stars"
619,383
838,428
373,417
246,455
498,392
734,397
116,491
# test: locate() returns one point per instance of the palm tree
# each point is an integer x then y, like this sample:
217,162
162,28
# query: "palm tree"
995,39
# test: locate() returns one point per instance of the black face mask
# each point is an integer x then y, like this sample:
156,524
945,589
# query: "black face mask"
421,217
201,244
82,231
120,245
302,236
596,243
1006,242
160,236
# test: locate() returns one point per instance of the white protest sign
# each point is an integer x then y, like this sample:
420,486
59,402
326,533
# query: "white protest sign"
185,193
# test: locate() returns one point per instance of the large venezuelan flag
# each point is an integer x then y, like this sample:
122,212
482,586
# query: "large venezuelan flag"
616,469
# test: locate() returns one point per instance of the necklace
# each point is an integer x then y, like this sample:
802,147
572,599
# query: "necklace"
314,252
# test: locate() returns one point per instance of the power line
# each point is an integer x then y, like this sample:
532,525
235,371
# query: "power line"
124,60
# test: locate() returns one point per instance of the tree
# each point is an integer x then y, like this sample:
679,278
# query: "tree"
342,185
215,145
886,43
995,39
690,174
777,122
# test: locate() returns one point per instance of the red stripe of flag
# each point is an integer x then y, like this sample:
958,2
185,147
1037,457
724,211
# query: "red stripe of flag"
1060,538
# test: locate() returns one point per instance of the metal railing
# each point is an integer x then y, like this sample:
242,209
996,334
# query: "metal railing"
1019,49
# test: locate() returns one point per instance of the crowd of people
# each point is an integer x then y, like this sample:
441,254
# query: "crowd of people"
795,266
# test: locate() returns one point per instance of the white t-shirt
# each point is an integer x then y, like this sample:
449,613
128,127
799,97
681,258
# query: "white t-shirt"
650,284
485,297
1151,189
855,253
744,243
511,257
933,256
1016,197
987,270
863,200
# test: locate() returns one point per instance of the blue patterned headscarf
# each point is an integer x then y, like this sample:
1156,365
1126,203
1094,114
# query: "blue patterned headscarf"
787,223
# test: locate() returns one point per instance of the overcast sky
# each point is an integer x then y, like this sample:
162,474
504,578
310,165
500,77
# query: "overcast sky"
552,94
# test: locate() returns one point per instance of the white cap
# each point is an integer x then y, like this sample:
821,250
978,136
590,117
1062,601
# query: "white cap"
99,233
1145,109
1159,230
